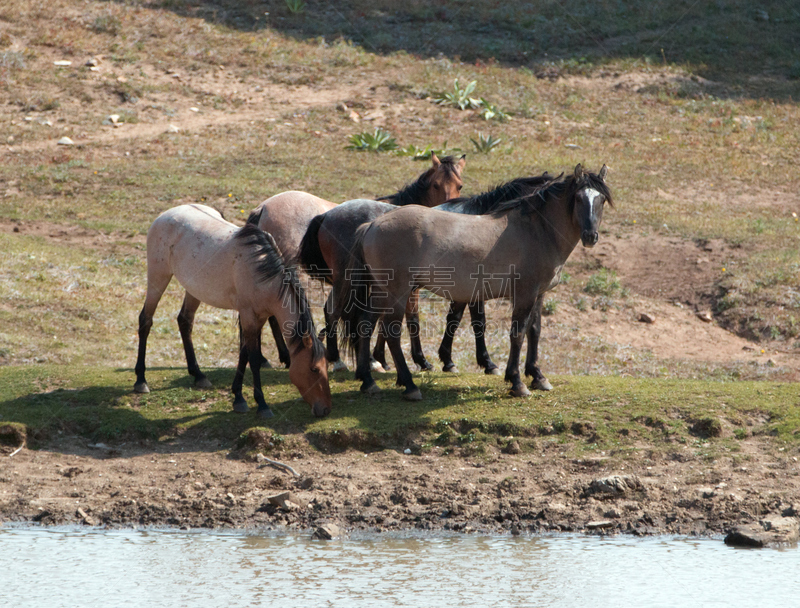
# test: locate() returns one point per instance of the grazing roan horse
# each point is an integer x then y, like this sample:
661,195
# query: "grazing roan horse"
325,248
286,216
238,269
516,252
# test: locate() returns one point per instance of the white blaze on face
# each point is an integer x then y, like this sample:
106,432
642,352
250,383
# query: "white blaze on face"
591,195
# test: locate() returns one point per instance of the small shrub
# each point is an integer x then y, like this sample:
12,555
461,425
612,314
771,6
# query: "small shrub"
418,153
489,111
484,144
549,308
459,98
379,141
603,283
107,24
295,6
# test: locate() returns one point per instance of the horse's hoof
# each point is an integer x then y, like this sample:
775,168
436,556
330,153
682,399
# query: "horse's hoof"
542,384
202,382
240,405
492,371
426,367
450,368
340,366
520,391
412,394
264,412
141,387
370,389
377,367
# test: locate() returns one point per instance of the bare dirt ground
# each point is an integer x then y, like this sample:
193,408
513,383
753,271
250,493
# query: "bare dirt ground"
197,486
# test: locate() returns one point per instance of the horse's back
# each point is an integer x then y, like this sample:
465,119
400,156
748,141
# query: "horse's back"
286,217
195,244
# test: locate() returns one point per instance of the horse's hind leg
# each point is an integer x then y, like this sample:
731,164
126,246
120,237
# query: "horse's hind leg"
451,326
185,324
478,321
534,332
393,325
378,362
283,352
412,322
157,281
519,325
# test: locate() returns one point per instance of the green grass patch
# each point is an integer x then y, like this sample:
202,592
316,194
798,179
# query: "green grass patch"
591,412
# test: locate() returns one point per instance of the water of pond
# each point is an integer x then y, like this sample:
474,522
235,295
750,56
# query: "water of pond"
71,567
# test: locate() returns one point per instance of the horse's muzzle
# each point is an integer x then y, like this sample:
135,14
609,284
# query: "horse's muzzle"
589,238
320,410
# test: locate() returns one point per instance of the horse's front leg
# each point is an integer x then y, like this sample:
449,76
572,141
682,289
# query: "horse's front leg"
283,351
365,327
239,402
331,335
539,381
519,324
412,322
478,321
185,325
454,315
254,359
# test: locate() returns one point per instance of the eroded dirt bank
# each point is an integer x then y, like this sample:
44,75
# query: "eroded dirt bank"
194,485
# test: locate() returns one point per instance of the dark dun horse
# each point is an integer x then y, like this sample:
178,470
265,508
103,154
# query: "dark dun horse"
238,269
286,216
325,248
516,252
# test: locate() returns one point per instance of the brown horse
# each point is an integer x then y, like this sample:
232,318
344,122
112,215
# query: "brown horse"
325,248
237,269
286,216
516,252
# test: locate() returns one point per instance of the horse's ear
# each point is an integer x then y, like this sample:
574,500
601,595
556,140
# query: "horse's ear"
603,172
435,160
308,339
578,171
461,162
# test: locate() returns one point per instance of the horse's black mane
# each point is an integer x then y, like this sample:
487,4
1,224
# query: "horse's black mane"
487,202
412,193
270,264
553,187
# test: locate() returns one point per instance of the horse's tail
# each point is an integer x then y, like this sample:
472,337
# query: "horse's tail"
352,298
310,254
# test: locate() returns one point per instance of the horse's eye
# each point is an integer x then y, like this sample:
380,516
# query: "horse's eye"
459,187
315,369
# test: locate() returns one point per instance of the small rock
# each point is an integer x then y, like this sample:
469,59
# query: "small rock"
512,447
770,531
615,485
98,446
342,107
354,116
704,316
122,79
87,519
286,501
173,129
194,109
62,63
572,146
94,68
646,318
306,484
65,141
92,63
407,451
327,532
599,525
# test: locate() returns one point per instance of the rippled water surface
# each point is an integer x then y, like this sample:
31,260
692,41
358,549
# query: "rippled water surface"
74,568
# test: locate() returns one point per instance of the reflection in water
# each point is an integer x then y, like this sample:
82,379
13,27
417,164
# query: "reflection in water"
70,568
